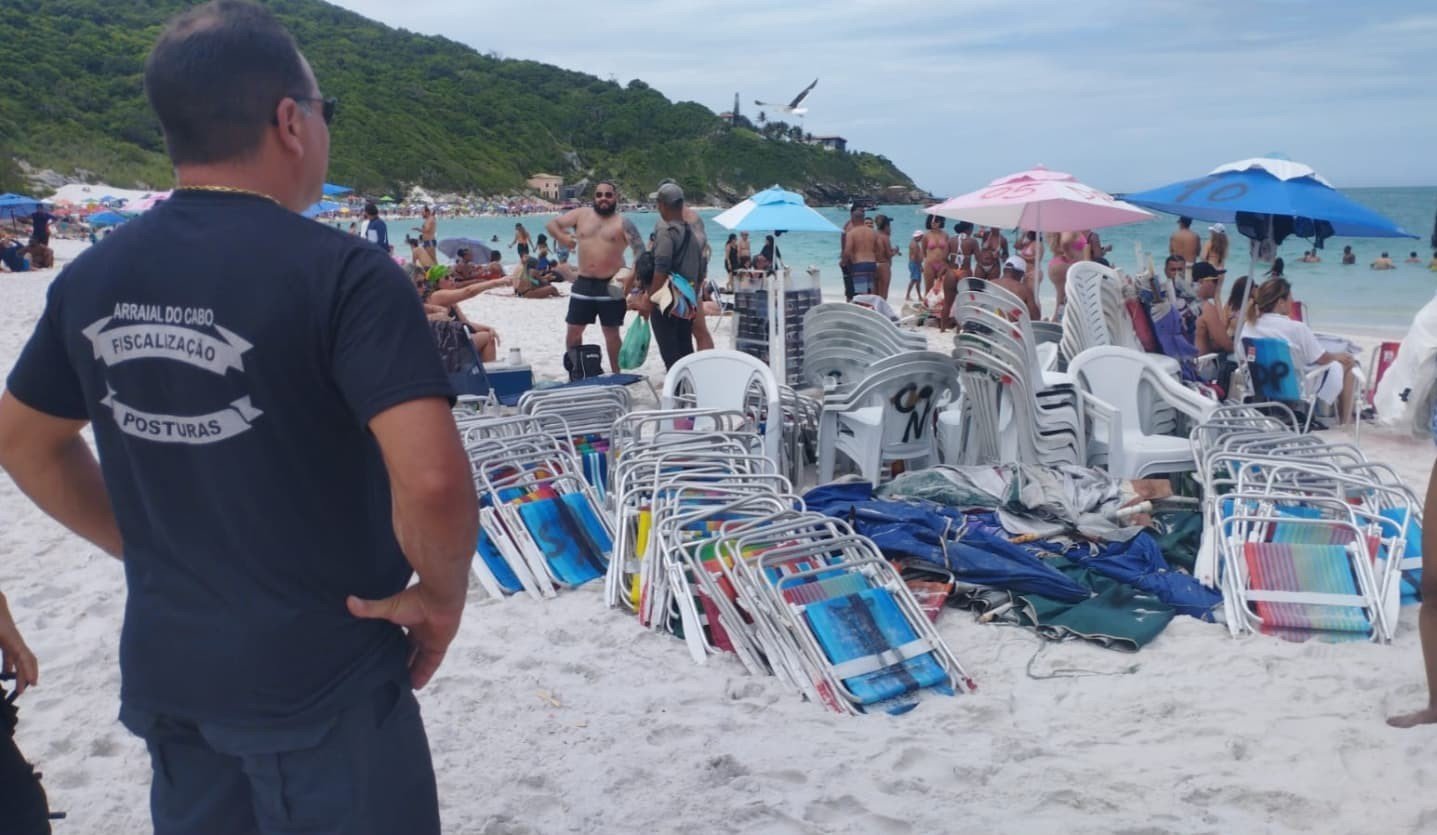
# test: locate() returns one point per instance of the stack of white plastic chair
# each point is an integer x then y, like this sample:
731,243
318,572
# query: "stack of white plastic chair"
1301,535
1014,407
1125,388
842,340
889,415
713,546
542,526
1097,314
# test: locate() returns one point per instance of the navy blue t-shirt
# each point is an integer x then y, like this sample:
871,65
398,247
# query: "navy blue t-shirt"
377,233
230,354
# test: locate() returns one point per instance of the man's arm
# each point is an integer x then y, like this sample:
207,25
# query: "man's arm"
436,520
635,238
557,228
53,465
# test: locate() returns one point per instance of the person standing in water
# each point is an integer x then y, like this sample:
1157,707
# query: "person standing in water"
521,240
1184,242
886,250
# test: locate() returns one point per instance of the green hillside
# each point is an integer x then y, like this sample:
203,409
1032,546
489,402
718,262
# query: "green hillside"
447,117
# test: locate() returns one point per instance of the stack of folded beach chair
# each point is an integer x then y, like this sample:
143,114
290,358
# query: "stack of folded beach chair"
542,523
1304,536
713,546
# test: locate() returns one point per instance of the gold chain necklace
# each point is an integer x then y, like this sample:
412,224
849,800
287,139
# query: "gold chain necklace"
229,190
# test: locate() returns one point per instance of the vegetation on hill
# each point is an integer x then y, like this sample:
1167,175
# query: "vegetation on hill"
414,110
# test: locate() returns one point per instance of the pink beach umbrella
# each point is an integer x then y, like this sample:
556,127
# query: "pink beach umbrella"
1040,200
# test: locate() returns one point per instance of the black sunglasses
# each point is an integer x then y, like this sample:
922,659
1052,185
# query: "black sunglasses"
327,107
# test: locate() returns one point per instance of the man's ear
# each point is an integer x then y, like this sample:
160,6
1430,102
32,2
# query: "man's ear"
290,125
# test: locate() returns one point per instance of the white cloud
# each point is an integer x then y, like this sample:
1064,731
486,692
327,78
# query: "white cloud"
1125,94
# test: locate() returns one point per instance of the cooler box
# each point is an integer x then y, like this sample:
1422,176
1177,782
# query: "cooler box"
509,381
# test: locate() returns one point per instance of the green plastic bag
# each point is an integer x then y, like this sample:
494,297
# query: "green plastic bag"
636,345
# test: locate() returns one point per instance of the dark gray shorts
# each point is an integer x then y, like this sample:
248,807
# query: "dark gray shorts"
366,770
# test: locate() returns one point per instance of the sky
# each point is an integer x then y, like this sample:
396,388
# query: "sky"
1123,95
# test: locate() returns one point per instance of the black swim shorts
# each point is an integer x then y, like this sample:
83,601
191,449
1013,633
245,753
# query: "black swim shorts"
590,300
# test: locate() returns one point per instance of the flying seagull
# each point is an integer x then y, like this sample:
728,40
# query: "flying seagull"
793,106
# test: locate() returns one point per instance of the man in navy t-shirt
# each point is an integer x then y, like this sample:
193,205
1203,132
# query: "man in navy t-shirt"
376,231
40,221
277,460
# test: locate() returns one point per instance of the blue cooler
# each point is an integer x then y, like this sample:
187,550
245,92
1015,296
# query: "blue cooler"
507,381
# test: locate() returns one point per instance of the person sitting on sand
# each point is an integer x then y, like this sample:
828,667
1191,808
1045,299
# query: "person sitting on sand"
1011,279
464,269
442,305
1270,316
419,255
1213,334
12,255
529,283
41,256
1348,256
1383,263
492,269
1413,259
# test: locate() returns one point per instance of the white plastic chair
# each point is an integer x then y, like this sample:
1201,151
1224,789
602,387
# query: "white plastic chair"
727,380
1124,386
888,416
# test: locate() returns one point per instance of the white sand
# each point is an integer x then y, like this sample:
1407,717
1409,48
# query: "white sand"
1197,733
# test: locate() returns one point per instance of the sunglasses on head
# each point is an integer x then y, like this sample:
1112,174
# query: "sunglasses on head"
327,107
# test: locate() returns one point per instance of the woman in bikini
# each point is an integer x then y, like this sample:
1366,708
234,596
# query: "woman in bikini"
1030,248
1068,249
935,253
884,227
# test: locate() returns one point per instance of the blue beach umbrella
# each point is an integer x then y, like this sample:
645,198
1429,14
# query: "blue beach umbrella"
774,209
107,219
17,205
1250,192
321,207
331,190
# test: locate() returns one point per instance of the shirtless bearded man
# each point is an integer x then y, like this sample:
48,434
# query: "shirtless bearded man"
597,233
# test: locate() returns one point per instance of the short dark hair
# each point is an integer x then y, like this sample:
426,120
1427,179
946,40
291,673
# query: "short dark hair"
1185,221
493,256
215,76
371,210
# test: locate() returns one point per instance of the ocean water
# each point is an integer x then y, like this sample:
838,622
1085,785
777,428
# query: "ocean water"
1354,298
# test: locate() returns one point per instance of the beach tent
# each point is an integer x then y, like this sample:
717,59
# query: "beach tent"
1268,194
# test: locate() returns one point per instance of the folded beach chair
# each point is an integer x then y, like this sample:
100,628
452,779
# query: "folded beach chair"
713,546
1270,497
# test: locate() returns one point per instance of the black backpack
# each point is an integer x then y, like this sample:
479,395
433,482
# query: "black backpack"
583,362
644,264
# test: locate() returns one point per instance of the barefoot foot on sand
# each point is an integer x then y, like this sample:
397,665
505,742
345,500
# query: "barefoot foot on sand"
1412,720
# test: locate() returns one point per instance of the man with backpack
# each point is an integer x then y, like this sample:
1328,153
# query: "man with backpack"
672,301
